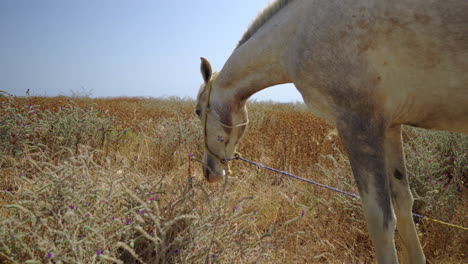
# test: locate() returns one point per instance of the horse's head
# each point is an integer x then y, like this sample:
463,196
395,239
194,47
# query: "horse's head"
224,119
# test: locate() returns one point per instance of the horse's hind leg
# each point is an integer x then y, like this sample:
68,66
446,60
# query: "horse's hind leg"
401,195
364,140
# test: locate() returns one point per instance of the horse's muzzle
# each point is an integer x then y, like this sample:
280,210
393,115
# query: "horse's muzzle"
212,171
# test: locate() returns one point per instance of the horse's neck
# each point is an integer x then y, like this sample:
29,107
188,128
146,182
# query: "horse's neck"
258,63
246,74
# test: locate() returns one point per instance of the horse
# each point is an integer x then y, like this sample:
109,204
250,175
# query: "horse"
367,67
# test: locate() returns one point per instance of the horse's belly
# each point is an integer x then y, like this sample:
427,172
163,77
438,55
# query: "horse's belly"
422,89
423,75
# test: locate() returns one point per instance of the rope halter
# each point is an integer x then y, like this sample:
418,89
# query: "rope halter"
225,160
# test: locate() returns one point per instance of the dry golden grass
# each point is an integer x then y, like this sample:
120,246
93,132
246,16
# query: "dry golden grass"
139,171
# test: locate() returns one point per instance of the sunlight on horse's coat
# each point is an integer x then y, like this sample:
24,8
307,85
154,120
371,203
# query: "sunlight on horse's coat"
367,67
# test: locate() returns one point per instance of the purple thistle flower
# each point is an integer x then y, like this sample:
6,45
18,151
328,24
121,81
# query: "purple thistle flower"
88,215
113,218
190,155
302,213
50,255
23,124
127,222
142,212
234,208
72,207
176,251
213,256
152,198
98,252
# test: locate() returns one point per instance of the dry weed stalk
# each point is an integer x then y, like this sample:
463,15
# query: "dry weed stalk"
105,180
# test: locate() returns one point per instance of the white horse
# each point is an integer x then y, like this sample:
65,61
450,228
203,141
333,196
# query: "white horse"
365,66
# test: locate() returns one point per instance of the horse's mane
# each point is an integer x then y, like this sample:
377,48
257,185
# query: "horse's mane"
264,16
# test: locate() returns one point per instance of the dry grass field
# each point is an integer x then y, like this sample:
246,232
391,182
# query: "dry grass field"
110,181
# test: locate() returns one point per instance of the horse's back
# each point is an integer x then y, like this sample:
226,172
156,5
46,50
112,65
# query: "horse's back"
410,56
422,61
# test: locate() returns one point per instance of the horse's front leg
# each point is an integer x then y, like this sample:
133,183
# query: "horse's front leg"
401,195
364,140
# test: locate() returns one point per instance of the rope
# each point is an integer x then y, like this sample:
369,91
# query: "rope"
444,223
237,156
298,178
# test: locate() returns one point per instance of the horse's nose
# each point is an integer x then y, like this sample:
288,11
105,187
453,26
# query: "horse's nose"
212,171
213,176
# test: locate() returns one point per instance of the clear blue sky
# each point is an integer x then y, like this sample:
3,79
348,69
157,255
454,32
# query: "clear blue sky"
120,48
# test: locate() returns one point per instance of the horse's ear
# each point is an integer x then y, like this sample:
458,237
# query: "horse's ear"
205,69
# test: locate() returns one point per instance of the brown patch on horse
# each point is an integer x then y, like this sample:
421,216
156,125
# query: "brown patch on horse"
423,19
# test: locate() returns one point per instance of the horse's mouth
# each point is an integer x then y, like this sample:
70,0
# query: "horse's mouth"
211,174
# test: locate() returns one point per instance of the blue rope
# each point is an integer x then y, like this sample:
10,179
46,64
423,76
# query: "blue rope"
299,178
238,157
